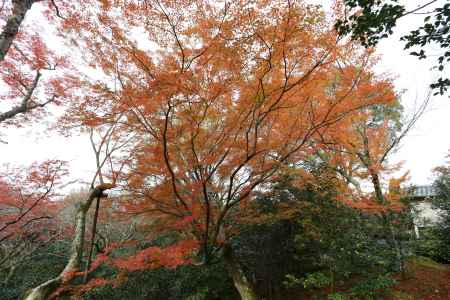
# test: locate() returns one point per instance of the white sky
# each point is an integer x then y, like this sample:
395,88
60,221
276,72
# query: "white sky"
429,142
425,147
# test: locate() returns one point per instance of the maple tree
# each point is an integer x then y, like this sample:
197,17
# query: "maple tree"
223,97
362,156
207,103
32,75
28,210
107,142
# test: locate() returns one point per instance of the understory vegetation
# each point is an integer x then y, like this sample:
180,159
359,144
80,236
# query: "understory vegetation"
309,247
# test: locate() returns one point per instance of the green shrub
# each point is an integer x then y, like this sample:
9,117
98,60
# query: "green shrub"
433,246
337,296
40,268
372,288
184,282
316,280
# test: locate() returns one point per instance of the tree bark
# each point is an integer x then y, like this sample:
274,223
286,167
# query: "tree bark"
91,246
44,290
394,243
240,280
11,272
11,28
388,228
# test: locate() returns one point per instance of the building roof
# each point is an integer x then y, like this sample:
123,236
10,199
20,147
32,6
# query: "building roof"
423,191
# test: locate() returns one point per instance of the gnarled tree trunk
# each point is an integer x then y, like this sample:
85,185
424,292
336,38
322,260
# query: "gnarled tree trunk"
44,290
241,282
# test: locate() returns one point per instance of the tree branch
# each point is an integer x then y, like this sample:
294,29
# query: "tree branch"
26,105
11,28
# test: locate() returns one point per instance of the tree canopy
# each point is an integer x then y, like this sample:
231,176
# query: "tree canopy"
197,112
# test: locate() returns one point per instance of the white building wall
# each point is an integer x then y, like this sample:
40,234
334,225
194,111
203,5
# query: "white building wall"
425,215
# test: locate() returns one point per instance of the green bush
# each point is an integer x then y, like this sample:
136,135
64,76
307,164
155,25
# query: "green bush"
316,280
337,296
431,245
29,274
373,288
322,243
184,282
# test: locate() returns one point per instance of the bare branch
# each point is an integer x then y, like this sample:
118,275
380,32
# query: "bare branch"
26,104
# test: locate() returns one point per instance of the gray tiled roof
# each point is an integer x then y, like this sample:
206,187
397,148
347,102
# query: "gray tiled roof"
420,191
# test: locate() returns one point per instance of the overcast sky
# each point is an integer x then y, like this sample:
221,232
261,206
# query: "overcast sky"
425,147
428,144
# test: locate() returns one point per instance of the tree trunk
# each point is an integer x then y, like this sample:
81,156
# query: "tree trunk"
11,28
388,228
240,280
43,291
11,272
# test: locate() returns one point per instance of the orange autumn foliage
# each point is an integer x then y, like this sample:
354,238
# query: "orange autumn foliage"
28,205
361,157
224,97
155,257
